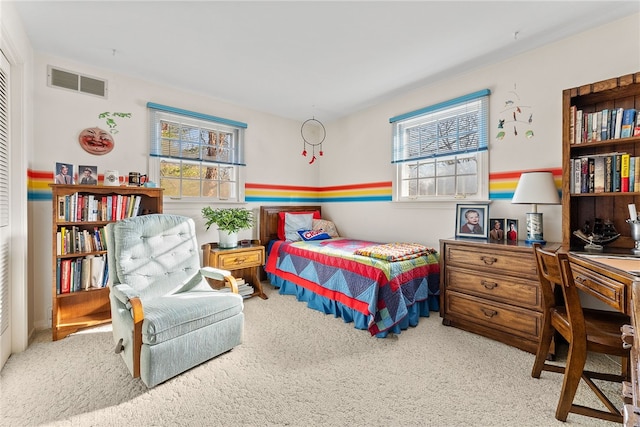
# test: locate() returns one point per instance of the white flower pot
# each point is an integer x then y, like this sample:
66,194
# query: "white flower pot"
227,240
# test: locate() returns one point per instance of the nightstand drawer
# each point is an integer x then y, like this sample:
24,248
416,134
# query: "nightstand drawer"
507,262
237,260
497,287
497,316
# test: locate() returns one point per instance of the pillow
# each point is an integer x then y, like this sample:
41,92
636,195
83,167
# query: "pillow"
281,236
313,235
293,223
325,225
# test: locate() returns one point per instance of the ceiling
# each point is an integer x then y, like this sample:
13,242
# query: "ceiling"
298,59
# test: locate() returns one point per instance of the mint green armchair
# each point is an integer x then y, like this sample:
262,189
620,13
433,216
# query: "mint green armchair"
166,317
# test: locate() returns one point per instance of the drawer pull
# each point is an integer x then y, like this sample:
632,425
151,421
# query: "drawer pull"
489,313
628,335
489,260
240,260
489,285
580,279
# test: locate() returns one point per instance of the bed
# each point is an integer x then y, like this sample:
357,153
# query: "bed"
380,287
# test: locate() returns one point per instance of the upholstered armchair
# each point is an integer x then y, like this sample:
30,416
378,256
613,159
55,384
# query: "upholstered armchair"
166,317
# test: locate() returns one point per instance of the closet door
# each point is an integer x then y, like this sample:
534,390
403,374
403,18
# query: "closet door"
5,300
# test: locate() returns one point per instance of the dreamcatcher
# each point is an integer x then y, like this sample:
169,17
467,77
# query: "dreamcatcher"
313,133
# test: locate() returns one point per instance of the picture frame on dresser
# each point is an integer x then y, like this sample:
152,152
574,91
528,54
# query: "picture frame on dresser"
511,228
472,220
497,229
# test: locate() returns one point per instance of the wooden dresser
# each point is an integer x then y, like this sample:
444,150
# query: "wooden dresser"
491,288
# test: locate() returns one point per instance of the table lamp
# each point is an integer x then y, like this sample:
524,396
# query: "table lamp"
535,188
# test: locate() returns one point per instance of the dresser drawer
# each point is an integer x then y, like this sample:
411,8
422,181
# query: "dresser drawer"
235,260
497,287
497,316
520,264
609,291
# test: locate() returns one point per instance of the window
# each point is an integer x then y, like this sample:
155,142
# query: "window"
196,155
440,152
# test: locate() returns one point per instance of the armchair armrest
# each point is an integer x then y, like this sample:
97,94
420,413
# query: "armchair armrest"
222,275
124,293
130,298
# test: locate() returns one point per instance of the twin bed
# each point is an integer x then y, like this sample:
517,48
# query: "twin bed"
383,288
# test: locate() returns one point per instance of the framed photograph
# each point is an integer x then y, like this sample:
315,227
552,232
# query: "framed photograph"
497,227
88,175
472,220
63,173
512,230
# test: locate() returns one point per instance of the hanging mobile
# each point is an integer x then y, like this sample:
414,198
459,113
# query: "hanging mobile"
313,133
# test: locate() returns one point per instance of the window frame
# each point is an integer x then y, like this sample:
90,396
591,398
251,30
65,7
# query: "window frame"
162,113
431,114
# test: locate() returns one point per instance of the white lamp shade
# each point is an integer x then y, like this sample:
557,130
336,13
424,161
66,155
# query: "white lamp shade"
536,188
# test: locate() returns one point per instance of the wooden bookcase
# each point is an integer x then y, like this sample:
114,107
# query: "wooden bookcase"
81,309
577,208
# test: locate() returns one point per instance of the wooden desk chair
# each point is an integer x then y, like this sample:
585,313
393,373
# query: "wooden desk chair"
584,329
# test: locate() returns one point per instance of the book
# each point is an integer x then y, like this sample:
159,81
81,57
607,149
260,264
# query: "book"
65,276
616,181
577,174
632,168
572,124
636,128
625,160
618,126
584,175
136,206
599,174
578,127
97,271
604,125
86,272
628,123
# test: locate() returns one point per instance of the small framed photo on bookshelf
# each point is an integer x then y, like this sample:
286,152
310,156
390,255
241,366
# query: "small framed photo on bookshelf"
88,175
496,229
512,230
63,173
472,220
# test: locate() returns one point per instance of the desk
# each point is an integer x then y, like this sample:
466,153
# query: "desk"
610,280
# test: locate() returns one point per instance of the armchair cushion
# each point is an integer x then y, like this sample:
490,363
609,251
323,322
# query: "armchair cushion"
170,316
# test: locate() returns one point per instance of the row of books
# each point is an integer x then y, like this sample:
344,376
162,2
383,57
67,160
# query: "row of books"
610,172
73,240
79,207
603,125
81,274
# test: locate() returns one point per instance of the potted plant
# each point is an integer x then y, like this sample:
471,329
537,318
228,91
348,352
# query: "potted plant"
229,222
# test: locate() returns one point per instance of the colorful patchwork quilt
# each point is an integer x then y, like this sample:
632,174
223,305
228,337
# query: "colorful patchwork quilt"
377,288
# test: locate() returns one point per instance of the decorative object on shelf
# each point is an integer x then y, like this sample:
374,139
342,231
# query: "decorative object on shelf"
602,233
96,141
137,179
63,174
112,178
313,133
229,222
472,220
535,188
89,175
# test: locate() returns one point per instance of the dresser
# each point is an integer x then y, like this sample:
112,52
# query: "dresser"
491,288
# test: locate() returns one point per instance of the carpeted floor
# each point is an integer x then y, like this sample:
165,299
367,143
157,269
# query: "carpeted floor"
296,367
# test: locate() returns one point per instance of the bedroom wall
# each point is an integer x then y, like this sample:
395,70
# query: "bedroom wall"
538,77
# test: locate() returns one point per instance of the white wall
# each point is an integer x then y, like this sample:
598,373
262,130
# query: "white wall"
538,77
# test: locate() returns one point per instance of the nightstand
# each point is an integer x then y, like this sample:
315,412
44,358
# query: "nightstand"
242,261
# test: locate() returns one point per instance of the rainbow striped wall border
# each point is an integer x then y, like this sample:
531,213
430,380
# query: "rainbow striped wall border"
501,187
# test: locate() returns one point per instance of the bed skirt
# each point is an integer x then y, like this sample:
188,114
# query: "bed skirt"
360,321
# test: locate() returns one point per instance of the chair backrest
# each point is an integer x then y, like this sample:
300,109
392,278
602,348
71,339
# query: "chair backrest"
554,270
154,254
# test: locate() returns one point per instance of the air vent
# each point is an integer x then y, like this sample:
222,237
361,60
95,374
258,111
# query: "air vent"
76,82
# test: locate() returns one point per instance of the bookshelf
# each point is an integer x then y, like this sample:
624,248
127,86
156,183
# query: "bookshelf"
87,303
579,206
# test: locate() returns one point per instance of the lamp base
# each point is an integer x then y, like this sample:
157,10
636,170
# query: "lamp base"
534,228
531,242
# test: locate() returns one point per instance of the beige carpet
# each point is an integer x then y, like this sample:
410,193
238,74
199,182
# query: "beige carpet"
296,367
